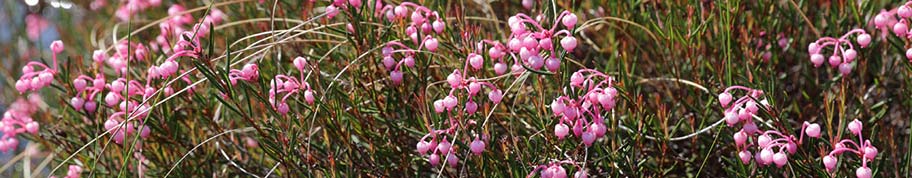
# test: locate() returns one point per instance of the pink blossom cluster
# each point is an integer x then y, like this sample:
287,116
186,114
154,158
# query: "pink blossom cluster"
429,22
896,21
128,8
527,46
333,9
73,171
17,119
765,47
86,93
863,148
175,27
289,85
443,147
420,17
843,53
556,170
772,146
36,75
127,96
458,82
122,123
34,25
585,111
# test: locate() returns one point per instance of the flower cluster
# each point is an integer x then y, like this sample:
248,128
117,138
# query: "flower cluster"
841,58
72,172
863,148
897,21
288,85
473,87
175,28
764,46
85,94
556,170
333,9
772,146
129,7
249,73
130,115
585,112
17,119
529,44
429,22
32,78
444,147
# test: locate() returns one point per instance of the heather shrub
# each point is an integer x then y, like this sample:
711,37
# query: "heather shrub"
371,88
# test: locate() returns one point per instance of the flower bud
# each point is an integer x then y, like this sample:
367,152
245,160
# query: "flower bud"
536,62
725,99
870,152
813,130
477,146
577,79
455,79
434,159
817,59
308,96
745,156
79,84
561,130
301,62
904,11
845,68
396,77
588,138
32,127
471,107
99,56
829,162
438,106
780,159
900,29
452,160
766,155
57,46
863,40
850,55
431,44
545,43
495,96
880,20
731,118
552,63
444,146
355,3
569,20
855,127
763,140
740,137
77,103
863,172
568,43
581,174
835,61
439,26
557,106
476,61
500,68
422,147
